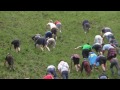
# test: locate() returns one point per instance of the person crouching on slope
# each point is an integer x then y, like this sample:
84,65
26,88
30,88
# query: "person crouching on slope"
9,60
16,44
86,48
63,68
86,65
76,59
42,43
51,69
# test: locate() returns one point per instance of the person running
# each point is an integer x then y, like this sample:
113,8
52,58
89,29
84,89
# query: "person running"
86,65
76,59
86,48
16,44
86,26
51,69
63,69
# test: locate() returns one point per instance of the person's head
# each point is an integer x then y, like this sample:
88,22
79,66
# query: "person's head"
103,76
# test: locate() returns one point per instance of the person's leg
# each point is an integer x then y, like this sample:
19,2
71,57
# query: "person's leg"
47,47
117,67
67,76
54,44
53,72
55,75
59,27
41,47
111,67
18,49
76,63
103,67
83,53
15,47
79,67
84,28
5,63
64,75
91,67
76,67
87,26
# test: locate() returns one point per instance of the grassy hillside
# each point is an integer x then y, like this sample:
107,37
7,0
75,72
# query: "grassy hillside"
31,62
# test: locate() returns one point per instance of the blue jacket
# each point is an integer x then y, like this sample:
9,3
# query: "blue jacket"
92,58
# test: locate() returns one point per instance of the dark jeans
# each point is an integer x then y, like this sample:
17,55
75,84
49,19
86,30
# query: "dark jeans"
65,74
52,71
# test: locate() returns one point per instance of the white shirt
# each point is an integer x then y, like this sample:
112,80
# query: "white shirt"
106,34
63,66
98,39
107,47
52,25
51,40
51,66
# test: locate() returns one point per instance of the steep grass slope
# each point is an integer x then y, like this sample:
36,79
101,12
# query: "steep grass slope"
31,62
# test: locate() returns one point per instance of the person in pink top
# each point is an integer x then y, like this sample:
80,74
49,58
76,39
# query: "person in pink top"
48,76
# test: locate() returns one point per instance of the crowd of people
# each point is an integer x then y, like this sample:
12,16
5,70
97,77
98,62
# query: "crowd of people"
93,55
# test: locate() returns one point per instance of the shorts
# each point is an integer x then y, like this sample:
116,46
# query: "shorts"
97,48
85,53
112,53
76,60
16,46
102,60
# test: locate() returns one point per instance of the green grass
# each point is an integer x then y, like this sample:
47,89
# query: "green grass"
31,62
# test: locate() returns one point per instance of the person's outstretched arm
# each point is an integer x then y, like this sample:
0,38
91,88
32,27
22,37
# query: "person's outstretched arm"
78,47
